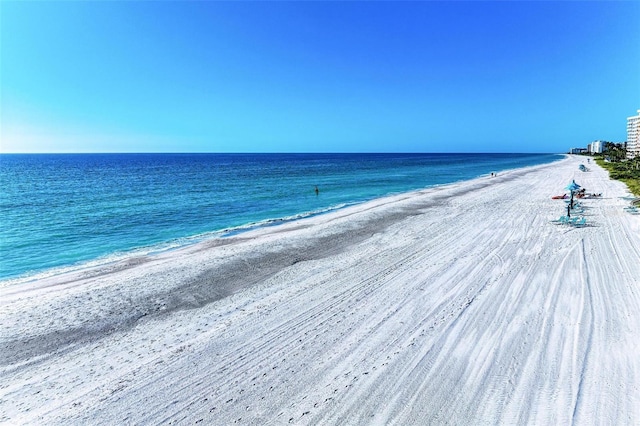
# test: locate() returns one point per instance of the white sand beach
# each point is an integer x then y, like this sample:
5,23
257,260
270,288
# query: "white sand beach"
461,304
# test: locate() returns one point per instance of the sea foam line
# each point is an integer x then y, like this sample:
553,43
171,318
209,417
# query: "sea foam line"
164,247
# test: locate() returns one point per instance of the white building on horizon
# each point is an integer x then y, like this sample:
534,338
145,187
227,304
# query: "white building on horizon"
633,136
595,147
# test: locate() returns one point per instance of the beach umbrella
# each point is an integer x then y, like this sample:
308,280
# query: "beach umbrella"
573,186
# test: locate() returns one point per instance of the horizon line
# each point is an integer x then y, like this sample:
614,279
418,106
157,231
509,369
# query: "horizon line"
267,152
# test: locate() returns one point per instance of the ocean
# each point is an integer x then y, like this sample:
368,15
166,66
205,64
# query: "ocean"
66,211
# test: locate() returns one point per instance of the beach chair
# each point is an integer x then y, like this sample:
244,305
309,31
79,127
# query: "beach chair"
575,203
562,220
579,222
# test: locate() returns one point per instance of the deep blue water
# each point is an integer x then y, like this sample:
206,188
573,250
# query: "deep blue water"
59,211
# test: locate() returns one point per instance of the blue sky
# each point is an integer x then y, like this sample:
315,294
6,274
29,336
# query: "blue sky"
154,76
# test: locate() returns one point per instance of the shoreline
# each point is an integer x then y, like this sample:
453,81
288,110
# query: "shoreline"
169,246
458,302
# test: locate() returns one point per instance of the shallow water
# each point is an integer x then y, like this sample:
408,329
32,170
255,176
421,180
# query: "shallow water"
60,211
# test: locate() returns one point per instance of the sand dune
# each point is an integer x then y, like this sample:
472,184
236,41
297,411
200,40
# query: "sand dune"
461,304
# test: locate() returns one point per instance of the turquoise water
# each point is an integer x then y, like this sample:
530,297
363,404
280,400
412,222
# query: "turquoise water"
60,211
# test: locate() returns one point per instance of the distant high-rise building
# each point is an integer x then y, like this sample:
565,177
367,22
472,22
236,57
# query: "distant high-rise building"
633,136
595,147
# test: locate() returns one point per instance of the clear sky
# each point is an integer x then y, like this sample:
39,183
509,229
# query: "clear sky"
310,76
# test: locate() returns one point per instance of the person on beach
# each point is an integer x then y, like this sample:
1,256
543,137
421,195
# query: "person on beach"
568,210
